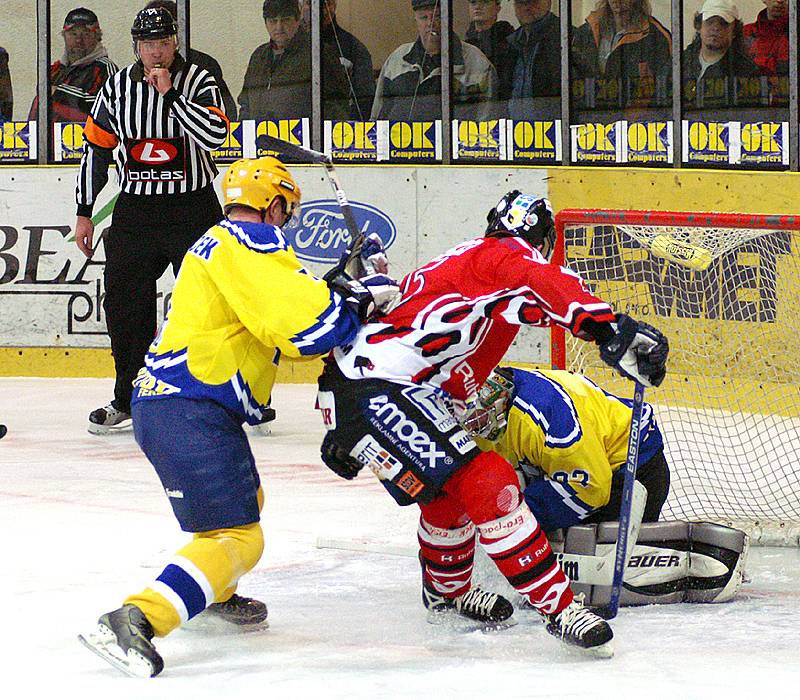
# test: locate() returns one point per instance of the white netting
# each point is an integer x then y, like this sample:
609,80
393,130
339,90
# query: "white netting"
728,300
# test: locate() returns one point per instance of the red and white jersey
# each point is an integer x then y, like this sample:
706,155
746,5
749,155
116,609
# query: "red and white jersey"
461,312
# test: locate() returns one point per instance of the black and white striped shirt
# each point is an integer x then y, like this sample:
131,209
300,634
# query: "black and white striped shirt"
160,144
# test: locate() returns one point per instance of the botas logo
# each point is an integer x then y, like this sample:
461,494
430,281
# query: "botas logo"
154,151
322,236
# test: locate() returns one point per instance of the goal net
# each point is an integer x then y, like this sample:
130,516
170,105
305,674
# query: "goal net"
725,290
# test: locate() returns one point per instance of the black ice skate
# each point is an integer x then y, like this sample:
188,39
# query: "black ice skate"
264,427
578,626
102,420
489,609
123,638
240,610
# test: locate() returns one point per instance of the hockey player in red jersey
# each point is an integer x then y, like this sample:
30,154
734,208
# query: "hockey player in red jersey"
388,400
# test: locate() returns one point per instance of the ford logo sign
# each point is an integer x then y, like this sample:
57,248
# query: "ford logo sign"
321,233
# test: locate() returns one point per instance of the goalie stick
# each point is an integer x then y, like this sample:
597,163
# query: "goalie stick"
624,532
352,265
581,568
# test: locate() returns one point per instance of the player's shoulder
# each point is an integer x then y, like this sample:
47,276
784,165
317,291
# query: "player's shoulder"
543,397
260,238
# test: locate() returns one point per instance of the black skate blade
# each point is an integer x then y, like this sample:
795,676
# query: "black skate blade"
454,621
103,643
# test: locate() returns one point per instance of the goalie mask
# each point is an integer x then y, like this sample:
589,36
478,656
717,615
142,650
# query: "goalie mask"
486,415
525,216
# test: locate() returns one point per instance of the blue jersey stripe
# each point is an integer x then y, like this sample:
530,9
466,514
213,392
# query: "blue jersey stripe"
186,588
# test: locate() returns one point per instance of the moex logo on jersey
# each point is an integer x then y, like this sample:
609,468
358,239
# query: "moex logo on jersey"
417,141
484,140
322,236
707,142
18,141
738,286
356,142
649,142
598,143
534,141
764,143
296,131
68,141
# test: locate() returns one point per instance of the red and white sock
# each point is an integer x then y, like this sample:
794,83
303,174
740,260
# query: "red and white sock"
518,546
447,557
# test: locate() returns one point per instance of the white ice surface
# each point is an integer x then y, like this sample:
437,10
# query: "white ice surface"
85,523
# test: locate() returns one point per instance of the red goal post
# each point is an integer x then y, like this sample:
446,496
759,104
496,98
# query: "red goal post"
725,289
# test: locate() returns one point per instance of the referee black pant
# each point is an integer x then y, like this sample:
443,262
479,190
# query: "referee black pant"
147,233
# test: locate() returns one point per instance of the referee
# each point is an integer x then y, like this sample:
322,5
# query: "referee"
158,119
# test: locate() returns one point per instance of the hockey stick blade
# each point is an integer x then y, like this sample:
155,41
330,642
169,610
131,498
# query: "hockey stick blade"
293,150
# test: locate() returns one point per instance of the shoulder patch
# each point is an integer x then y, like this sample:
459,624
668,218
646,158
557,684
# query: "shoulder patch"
550,407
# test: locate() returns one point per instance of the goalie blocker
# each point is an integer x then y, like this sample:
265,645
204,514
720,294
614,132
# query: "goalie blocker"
672,562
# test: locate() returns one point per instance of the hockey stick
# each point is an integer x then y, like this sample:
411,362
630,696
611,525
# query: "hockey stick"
352,264
625,540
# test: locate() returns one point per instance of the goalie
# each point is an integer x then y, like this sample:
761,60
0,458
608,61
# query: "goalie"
567,438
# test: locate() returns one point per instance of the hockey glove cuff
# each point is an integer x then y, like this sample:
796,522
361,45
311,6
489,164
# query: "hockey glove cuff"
368,297
339,460
637,351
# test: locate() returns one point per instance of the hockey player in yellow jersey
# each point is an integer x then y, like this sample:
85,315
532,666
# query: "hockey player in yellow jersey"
242,299
568,438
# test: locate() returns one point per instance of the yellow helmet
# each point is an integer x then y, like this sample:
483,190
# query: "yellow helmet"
256,182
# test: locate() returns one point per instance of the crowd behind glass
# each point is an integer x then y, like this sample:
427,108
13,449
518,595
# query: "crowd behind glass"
620,63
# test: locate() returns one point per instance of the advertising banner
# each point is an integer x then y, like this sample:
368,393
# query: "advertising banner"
709,143
68,142
648,142
479,140
18,143
534,141
599,144
357,142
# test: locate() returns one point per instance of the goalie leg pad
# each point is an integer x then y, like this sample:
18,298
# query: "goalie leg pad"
672,562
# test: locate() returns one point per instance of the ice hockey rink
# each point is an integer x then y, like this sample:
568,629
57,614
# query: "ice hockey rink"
87,523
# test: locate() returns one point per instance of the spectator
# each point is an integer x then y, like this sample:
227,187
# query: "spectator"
353,55
622,40
489,35
201,59
76,79
410,87
767,39
716,70
277,84
6,91
537,68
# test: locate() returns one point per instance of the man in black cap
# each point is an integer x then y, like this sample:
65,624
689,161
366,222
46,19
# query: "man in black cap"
76,79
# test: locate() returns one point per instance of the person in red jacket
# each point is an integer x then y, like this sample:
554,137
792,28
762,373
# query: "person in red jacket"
767,39
76,79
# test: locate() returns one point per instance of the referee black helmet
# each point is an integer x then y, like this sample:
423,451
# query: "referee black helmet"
153,23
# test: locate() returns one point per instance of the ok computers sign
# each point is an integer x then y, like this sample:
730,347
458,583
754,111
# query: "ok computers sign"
322,236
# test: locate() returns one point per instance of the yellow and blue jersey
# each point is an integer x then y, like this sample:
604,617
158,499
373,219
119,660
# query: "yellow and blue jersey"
241,299
576,435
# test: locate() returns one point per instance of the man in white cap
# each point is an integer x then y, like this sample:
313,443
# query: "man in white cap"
716,71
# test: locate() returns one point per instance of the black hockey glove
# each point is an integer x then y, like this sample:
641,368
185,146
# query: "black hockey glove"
637,351
339,460
368,297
